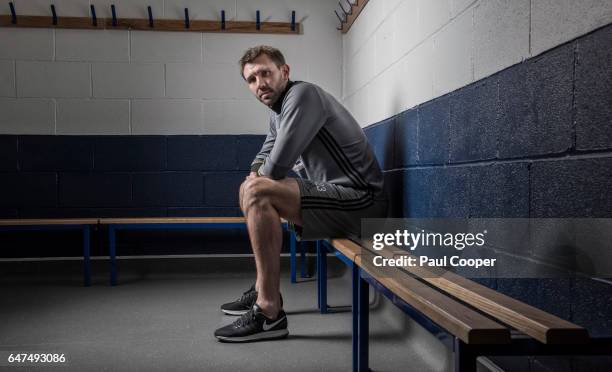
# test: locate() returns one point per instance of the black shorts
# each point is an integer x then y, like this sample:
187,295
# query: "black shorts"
334,211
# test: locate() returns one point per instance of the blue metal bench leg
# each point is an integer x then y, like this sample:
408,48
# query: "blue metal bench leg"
363,324
112,254
86,258
465,358
355,309
322,276
302,260
292,259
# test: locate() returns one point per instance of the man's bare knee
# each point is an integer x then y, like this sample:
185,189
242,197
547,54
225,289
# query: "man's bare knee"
257,193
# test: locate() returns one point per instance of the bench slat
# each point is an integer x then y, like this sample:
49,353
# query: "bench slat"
171,220
49,221
542,326
458,319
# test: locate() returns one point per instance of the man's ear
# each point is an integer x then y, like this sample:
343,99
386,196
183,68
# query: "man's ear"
285,69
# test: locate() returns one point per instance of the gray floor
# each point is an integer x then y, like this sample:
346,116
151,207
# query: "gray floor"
164,320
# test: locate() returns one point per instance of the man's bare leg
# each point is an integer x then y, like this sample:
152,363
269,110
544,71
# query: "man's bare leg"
264,201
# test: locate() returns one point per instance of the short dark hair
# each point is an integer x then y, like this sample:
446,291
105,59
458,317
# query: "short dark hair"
252,53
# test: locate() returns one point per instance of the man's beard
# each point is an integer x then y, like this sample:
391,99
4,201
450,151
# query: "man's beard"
272,97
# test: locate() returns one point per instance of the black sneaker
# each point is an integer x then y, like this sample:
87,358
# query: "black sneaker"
244,303
241,305
254,326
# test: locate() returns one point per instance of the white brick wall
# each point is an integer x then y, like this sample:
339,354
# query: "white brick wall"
427,48
501,35
147,46
26,44
7,79
128,80
27,116
556,21
167,116
141,82
53,79
93,116
235,117
92,45
452,55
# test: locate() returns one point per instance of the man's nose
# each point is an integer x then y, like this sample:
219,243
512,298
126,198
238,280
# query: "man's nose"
261,83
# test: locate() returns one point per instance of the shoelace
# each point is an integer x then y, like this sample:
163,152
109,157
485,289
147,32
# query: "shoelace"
245,318
248,296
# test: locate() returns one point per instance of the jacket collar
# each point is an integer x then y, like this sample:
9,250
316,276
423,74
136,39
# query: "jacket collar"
278,105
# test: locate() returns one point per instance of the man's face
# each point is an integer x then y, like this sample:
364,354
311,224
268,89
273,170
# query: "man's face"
266,80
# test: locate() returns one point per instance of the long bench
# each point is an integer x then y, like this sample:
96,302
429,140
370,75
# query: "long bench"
454,308
58,224
116,224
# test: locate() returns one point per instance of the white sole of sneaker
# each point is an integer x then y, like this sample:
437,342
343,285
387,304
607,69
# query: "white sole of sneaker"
234,312
269,335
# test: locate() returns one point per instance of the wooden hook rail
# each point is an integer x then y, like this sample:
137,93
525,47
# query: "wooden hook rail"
148,24
350,15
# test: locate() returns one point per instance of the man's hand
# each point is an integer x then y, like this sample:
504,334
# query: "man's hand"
252,175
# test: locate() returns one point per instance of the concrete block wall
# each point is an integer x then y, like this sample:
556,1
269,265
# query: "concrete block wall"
402,53
530,140
113,82
123,176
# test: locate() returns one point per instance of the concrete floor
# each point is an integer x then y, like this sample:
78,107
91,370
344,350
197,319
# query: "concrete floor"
165,319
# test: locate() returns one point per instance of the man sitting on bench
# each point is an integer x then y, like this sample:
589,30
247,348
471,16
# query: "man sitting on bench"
342,184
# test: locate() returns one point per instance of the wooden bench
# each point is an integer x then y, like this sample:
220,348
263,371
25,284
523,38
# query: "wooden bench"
115,224
454,308
58,224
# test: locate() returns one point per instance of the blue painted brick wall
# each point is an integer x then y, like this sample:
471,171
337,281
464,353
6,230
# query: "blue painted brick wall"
534,140
123,176
130,153
8,153
592,93
473,126
55,153
433,132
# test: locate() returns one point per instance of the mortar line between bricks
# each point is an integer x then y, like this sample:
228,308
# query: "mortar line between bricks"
15,77
530,29
573,108
596,154
529,214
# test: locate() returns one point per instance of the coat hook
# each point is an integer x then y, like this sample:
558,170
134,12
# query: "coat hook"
341,21
150,16
94,19
114,15
54,14
258,23
223,19
293,20
186,18
13,14
344,11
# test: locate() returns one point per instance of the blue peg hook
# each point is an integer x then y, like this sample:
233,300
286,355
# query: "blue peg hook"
13,14
258,23
293,20
223,19
150,16
94,19
54,14
114,15
186,18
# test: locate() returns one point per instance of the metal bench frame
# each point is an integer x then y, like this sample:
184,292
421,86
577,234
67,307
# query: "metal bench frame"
464,354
